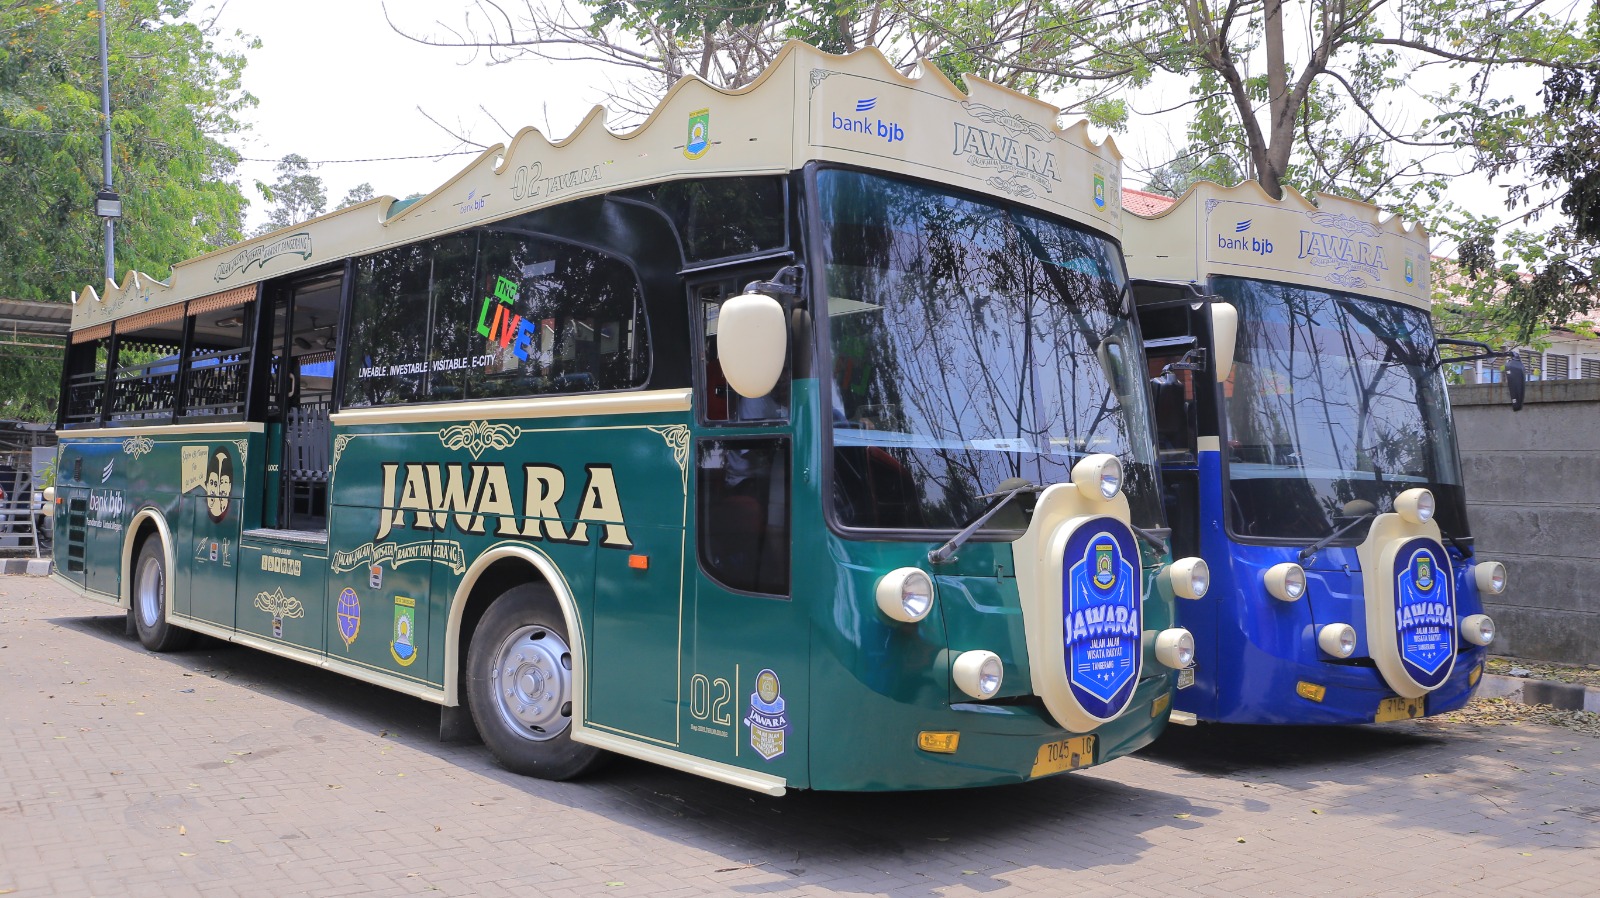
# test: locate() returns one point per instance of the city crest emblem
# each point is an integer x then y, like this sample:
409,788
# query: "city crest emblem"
1100,191
1424,573
403,648
1104,574
699,139
768,722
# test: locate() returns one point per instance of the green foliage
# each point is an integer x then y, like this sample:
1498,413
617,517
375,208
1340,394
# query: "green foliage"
357,195
174,97
296,196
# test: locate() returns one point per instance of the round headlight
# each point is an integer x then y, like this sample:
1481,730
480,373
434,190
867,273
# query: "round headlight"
1175,648
1477,629
1491,577
1191,578
978,673
1098,476
1286,581
905,594
1338,640
1415,506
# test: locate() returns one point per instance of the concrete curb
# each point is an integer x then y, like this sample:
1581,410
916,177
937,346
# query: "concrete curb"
31,567
1564,696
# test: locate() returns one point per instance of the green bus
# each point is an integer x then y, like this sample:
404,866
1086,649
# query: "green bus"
796,439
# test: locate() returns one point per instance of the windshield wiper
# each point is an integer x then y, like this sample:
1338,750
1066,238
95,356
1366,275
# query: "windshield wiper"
947,551
1156,542
1466,551
1319,545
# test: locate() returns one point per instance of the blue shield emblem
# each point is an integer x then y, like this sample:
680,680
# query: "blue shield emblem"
1102,620
1424,612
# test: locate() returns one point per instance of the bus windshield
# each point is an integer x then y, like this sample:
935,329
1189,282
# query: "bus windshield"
1336,405
975,347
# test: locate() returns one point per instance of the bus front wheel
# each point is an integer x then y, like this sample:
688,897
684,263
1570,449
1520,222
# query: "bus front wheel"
150,601
519,686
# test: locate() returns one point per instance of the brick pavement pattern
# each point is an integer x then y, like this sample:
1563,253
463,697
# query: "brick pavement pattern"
227,772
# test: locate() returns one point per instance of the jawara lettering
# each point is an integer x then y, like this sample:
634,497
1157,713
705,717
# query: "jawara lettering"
432,496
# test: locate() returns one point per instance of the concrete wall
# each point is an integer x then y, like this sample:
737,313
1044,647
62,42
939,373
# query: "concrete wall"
1533,500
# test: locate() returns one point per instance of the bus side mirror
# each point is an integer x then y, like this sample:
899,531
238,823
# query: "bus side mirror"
1224,333
752,343
1516,381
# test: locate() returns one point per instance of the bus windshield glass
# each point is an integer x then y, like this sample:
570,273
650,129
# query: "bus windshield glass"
1336,405
976,347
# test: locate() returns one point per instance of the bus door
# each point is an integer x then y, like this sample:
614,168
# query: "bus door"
1176,323
283,562
747,665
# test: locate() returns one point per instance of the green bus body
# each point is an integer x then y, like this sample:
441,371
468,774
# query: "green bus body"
298,484
672,655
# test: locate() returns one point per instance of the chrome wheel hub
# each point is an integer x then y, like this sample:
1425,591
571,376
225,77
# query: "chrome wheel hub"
149,591
531,675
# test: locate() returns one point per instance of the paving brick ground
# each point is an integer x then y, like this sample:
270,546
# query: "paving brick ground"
222,772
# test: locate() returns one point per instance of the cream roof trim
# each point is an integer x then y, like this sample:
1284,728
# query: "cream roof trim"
1333,244
808,105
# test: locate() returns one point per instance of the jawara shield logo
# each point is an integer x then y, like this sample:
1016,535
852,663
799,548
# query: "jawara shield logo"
1424,614
1101,621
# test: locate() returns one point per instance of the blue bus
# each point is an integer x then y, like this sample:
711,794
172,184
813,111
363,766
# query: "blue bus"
1309,457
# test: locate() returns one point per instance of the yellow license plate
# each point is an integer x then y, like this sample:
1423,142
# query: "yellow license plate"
1068,754
1398,708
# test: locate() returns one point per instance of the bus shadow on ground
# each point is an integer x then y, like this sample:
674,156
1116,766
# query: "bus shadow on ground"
841,841
1227,749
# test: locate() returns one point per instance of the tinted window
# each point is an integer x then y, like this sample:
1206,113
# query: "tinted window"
975,347
490,315
744,513
720,217
1335,406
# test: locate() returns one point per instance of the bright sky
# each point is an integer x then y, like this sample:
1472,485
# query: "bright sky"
335,82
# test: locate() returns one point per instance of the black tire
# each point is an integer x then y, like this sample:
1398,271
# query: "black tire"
147,601
519,686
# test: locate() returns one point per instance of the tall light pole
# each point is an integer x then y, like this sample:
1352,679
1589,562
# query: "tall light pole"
107,204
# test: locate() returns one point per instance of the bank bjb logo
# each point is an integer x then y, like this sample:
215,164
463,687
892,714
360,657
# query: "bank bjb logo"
869,125
768,719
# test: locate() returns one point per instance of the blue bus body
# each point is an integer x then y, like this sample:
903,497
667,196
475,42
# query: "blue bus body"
1301,412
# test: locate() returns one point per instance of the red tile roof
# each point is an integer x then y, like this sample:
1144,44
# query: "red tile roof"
1141,203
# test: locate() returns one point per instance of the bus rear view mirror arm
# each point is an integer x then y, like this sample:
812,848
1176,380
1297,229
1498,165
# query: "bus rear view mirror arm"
1516,375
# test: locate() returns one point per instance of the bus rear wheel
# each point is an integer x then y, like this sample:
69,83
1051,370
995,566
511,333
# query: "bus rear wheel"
519,686
149,605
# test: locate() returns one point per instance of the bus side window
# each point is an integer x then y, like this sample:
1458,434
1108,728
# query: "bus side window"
744,513
1173,401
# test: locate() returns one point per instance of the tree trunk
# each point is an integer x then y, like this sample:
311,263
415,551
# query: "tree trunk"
1280,118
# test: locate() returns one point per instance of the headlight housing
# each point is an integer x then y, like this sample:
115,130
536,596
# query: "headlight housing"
978,673
1415,505
1191,578
1338,640
1098,476
905,594
1175,648
1286,582
1477,629
1490,577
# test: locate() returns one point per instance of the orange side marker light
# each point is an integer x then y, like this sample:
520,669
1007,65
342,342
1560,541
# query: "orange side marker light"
639,562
